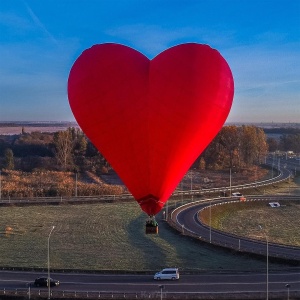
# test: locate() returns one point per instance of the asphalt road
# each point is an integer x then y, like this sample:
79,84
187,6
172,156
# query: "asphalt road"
212,283
206,283
187,219
293,164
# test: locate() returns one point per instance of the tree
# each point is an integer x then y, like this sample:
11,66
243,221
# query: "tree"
229,138
290,142
272,144
63,148
235,147
33,144
80,143
253,144
262,147
79,149
9,159
223,152
202,164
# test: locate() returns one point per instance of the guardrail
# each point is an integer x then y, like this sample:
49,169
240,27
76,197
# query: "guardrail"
68,294
58,294
77,199
236,241
282,176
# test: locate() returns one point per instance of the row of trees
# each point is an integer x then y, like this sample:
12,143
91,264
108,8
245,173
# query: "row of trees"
235,147
67,150
286,142
70,150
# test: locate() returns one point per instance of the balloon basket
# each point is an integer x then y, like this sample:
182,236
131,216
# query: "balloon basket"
151,229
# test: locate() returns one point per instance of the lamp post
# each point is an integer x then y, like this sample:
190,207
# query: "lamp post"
192,184
230,182
181,192
288,287
255,175
260,227
75,184
48,281
273,165
210,221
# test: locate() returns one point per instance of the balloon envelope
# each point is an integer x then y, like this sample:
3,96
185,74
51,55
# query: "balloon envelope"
150,118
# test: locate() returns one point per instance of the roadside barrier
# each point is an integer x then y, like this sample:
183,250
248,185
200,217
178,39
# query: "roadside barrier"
234,242
106,295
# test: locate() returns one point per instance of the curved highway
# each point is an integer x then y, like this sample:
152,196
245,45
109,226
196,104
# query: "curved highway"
185,218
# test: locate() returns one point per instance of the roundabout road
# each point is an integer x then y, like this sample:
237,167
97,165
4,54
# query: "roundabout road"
185,219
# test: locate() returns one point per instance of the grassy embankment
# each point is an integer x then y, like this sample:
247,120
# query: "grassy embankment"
280,224
110,236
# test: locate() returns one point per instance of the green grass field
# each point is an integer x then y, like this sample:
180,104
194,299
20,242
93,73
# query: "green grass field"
280,225
108,236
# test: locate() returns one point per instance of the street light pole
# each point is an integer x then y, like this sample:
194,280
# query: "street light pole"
210,221
273,165
48,281
230,182
181,192
192,184
75,184
267,267
288,290
0,186
267,261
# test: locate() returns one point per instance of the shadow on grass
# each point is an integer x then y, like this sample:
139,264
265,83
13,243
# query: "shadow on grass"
172,249
154,255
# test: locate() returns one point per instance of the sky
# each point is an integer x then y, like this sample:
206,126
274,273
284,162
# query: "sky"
41,39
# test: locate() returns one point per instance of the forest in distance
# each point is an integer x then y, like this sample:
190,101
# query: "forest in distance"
277,126
28,156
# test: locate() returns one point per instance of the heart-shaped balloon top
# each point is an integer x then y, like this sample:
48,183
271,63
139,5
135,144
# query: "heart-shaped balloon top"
150,118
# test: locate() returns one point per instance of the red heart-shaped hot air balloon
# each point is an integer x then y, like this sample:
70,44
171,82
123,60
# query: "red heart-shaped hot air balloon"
150,118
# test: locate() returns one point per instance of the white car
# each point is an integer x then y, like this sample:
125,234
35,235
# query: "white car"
167,274
274,204
237,194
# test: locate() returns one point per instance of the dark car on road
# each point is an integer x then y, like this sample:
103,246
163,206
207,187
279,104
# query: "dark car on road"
43,281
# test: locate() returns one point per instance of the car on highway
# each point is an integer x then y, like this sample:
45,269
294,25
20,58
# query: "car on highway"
237,194
43,281
167,274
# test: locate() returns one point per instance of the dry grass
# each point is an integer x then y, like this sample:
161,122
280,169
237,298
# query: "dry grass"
52,183
110,236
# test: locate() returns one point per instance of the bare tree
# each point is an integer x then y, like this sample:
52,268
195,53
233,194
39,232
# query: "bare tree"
63,143
9,159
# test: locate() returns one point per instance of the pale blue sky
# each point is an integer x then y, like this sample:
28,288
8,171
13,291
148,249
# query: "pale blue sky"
41,39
